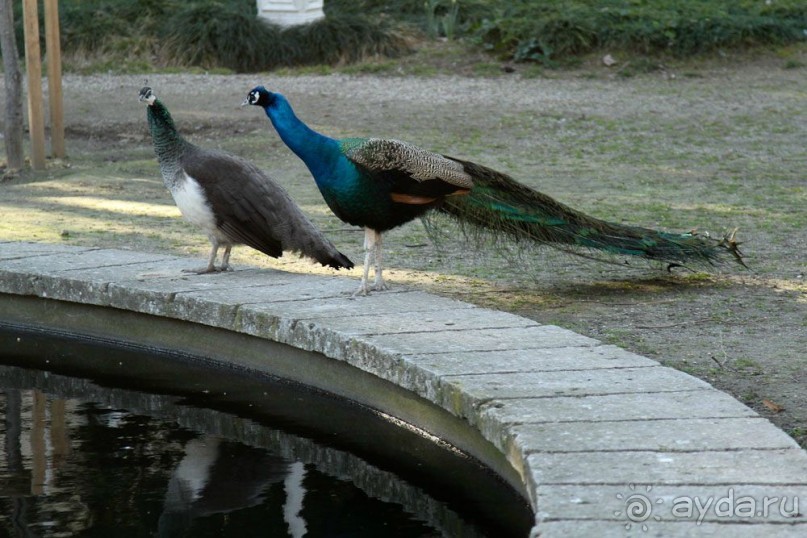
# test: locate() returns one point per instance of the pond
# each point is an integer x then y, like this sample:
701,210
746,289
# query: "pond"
215,452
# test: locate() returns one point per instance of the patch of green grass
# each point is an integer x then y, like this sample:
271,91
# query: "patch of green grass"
749,366
533,71
638,66
487,69
316,69
370,68
423,71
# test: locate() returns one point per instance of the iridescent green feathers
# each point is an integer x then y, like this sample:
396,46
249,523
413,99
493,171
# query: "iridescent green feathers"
499,204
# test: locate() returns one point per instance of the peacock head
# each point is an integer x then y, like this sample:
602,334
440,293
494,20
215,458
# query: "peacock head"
147,95
259,96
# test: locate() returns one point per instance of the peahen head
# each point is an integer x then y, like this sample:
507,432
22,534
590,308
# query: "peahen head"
260,96
161,125
147,95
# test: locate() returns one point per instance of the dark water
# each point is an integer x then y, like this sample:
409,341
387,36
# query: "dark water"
244,457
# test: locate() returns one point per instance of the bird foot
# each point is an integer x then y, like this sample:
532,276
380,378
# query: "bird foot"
208,270
365,290
380,285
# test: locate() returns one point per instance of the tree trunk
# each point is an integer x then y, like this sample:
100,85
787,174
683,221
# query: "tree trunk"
13,133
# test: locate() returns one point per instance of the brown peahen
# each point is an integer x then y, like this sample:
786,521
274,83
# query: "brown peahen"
231,199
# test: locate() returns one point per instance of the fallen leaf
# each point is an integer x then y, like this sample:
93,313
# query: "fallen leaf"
773,406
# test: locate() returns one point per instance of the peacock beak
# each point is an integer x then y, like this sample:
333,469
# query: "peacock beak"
245,102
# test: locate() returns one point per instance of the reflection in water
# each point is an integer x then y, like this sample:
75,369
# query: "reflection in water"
81,459
217,477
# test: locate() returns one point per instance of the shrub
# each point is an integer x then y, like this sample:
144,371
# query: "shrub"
219,34
526,30
214,34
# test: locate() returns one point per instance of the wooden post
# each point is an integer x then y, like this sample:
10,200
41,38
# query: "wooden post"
33,65
13,131
54,52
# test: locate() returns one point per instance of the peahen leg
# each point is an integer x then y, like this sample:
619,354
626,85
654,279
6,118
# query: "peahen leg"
225,259
211,262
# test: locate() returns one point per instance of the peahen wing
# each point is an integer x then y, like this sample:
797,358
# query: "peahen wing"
250,207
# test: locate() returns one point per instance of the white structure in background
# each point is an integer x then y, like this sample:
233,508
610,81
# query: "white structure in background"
290,12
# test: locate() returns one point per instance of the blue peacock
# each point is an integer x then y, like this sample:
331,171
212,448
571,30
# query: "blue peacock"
379,184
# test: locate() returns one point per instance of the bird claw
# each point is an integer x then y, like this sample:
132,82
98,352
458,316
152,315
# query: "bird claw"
380,286
365,290
208,270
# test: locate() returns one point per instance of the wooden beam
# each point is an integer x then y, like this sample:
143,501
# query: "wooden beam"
33,65
54,55
14,130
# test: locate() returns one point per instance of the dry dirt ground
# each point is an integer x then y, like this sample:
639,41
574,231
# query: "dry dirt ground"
712,146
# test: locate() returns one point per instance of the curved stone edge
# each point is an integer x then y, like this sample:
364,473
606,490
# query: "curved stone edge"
584,424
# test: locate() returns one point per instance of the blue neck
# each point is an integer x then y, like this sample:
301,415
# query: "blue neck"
319,152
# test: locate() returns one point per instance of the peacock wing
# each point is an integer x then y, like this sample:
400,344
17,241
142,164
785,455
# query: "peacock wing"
410,171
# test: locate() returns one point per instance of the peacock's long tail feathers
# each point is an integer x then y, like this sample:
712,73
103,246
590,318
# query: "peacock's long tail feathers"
498,204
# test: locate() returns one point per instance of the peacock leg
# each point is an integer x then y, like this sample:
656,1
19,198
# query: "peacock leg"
368,251
379,284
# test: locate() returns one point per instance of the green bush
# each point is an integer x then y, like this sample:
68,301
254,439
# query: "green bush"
527,30
217,34
214,34
341,38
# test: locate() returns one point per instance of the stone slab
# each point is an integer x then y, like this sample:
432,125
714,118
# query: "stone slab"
531,337
28,250
723,467
566,358
445,321
660,435
753,503
498,386
703,402
666,529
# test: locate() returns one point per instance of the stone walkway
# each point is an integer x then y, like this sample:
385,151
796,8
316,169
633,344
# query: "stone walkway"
605,442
